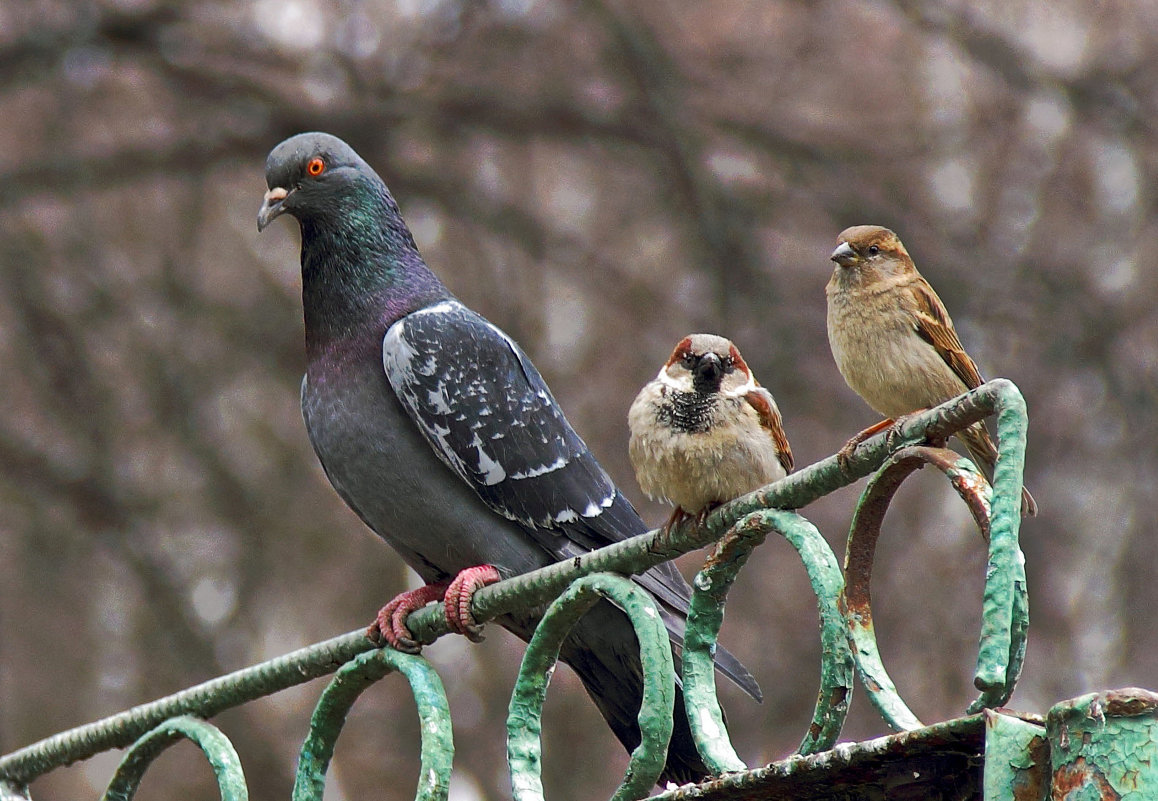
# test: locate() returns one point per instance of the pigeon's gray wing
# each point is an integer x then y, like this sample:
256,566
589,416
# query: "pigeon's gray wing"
491,419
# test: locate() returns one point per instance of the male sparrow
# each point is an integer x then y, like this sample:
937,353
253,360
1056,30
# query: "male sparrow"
893,340
704,431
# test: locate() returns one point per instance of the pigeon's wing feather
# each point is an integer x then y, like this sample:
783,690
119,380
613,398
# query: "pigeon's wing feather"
490,417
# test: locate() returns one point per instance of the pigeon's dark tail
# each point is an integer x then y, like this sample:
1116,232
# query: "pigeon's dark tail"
603,651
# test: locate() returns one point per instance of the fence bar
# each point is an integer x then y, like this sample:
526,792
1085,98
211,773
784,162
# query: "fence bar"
343,691
215,745
203,700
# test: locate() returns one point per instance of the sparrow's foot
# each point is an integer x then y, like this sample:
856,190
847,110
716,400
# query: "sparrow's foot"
458,596
895,431
389,628
702,515
845,453
678,516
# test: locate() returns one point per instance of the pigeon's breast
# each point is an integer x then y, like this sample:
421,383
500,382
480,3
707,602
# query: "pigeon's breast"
378,462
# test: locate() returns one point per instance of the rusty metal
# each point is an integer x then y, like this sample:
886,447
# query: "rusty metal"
943,761
1104,746
861,550
1017,766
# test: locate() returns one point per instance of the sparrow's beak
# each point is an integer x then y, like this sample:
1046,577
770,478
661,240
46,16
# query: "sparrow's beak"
844,255
708,370
272,207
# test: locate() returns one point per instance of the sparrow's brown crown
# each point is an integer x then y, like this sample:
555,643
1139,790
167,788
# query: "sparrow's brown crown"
863,242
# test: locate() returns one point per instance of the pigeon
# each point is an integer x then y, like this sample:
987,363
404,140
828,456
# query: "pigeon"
704,431
438,431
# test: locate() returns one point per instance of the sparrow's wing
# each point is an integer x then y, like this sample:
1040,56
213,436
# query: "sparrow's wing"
935,327
761,400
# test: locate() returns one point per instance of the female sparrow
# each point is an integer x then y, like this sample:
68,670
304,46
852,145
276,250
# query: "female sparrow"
704,431
893,340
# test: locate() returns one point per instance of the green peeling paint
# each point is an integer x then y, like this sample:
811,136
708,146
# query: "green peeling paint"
524,747
1016,759
344,689
1005,605
1105,746
215,745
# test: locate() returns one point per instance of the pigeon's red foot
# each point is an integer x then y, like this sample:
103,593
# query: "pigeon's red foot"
845,453
458,596
389,628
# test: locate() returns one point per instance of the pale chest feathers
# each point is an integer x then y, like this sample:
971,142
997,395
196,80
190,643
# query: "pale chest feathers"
694,450
882,357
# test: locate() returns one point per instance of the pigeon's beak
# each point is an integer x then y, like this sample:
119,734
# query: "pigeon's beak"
272,207
844,255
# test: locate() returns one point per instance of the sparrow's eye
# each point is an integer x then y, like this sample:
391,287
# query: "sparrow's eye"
874,250
729,364
315,166
688,360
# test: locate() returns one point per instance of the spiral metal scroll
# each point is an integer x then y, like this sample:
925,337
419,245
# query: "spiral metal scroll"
1003,571
706,613
524,747
345,688
215,745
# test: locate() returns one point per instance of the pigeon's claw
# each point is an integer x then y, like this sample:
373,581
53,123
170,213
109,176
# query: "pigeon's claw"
389,627
458,597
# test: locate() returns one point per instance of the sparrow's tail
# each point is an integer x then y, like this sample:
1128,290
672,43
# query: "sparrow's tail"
984,453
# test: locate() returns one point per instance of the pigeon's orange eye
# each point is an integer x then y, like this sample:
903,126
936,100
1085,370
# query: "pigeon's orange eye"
315,166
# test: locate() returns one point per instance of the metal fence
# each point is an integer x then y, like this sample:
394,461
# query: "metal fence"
1013,747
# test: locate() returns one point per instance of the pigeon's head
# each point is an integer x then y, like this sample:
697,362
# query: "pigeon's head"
309,174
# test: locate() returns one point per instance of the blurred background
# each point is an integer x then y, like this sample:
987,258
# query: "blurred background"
598,178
